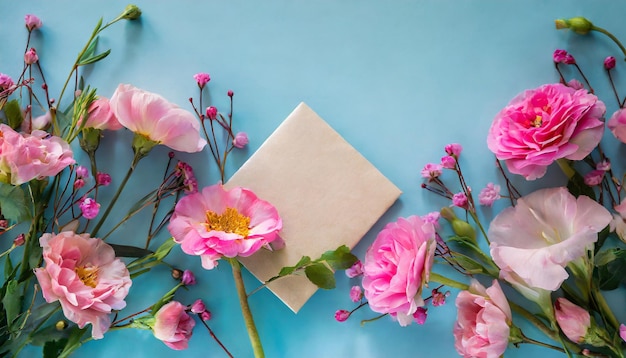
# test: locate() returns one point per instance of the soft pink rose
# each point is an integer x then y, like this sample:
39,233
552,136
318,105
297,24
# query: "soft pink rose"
217,222
173,326
545,124
24,157
617,124
573,320
397,266
100,115
483,321
241,140
83,274
545,231
153,117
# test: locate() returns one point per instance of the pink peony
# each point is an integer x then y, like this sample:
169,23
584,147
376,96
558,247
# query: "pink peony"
152,116
217,222
101,116
545,231
24,157
483,321
397,266
173,326
83,274
617,124
573,320
545,124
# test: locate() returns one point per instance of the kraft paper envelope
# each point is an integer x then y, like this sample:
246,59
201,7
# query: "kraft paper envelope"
326,193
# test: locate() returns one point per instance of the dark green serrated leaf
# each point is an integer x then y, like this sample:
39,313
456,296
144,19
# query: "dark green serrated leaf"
339,259
610,268
13,113
13,203
12,301
576,185
52,349
130,251
320,275
94,59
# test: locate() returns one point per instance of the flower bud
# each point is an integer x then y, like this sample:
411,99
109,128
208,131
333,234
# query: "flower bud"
241,140
342,315
198,306
202,79
460,227
60,325
32,22
579,25
19,240
230,93
131,12
30,57
609,62
211,112
573,320
205,316
188,278
177,274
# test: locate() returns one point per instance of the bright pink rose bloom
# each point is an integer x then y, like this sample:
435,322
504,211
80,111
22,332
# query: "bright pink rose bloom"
617,124
397,266
24,157
153,117
489,194
101,116
217,222
89,208
32,22
83,274
545,124
173,326
545,231
483,321
241,140
573,320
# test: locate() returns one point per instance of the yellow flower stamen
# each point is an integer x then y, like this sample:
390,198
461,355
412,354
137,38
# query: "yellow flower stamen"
88,274
536,122
230,221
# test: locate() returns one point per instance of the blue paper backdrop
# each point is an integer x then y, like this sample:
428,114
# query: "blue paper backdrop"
398,80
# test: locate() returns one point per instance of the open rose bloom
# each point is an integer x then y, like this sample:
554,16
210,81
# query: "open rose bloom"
173,326
24,157
83,274
542,125
544,232
483,321
397,267
217,222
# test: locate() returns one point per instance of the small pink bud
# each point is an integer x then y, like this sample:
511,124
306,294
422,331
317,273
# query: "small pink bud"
604,165
89,208
342,315
356,293
454,149
30,57
202,79
198,307
188,278
439,298
79,183
230,93
103,179
609,62
171,155
32,22
211,112
205,316
420,315
19,240
82,172
573,320
559,56
569,59
4,224
241,140
355,270
594,177
6,82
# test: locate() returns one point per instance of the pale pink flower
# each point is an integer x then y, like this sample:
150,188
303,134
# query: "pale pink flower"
79,183
573,320
545,124
397,266
101,116
173,326
32,22
82,172
40,122
217,222
342,315
559,55
453,149
460,200
202,79
420,315
89,208
6,82
489,194
433,218
431,171
356,293
152,116
448,162
205,316
355,270
545,231
483,321
594,177
241,140
24,157
617,124
622,332
609,62
83,274
604,165
30,57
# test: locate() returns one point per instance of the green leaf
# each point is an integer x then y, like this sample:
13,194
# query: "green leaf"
610,268
12,301
90,50
339,259
94,59
470,265
13,113
164,249
576,185
52,349
288,270
13,203
8,269
129,251
320,275
73,341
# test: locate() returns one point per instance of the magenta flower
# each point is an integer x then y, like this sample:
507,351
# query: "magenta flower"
205,316
173,326
211,112
573,320
198,306
356,293
241,140
30,57
355,270
594,177
431,171
188,278
79,183
202,79
101,115
217,222
433,218
24,157
604,165
230,93
545,124
103,179
153,117
460,200
575,84
545,231
617,124
448,162
342,315
32,22
82,172
19,240
89,208
483,321
609,63
569,59
420,315
397,266
559,56
453,149
489,194
83,274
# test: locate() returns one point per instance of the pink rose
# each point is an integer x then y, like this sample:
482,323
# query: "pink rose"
241,140
152,116
545,231
573,320
617,124
101,116
545,124
397,266
83,274
483,321
173,326
217,222
24,157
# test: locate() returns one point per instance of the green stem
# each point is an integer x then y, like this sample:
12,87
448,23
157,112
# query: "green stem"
255,341
435,277
611,36
604,308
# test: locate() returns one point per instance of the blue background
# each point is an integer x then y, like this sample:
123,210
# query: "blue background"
398,79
